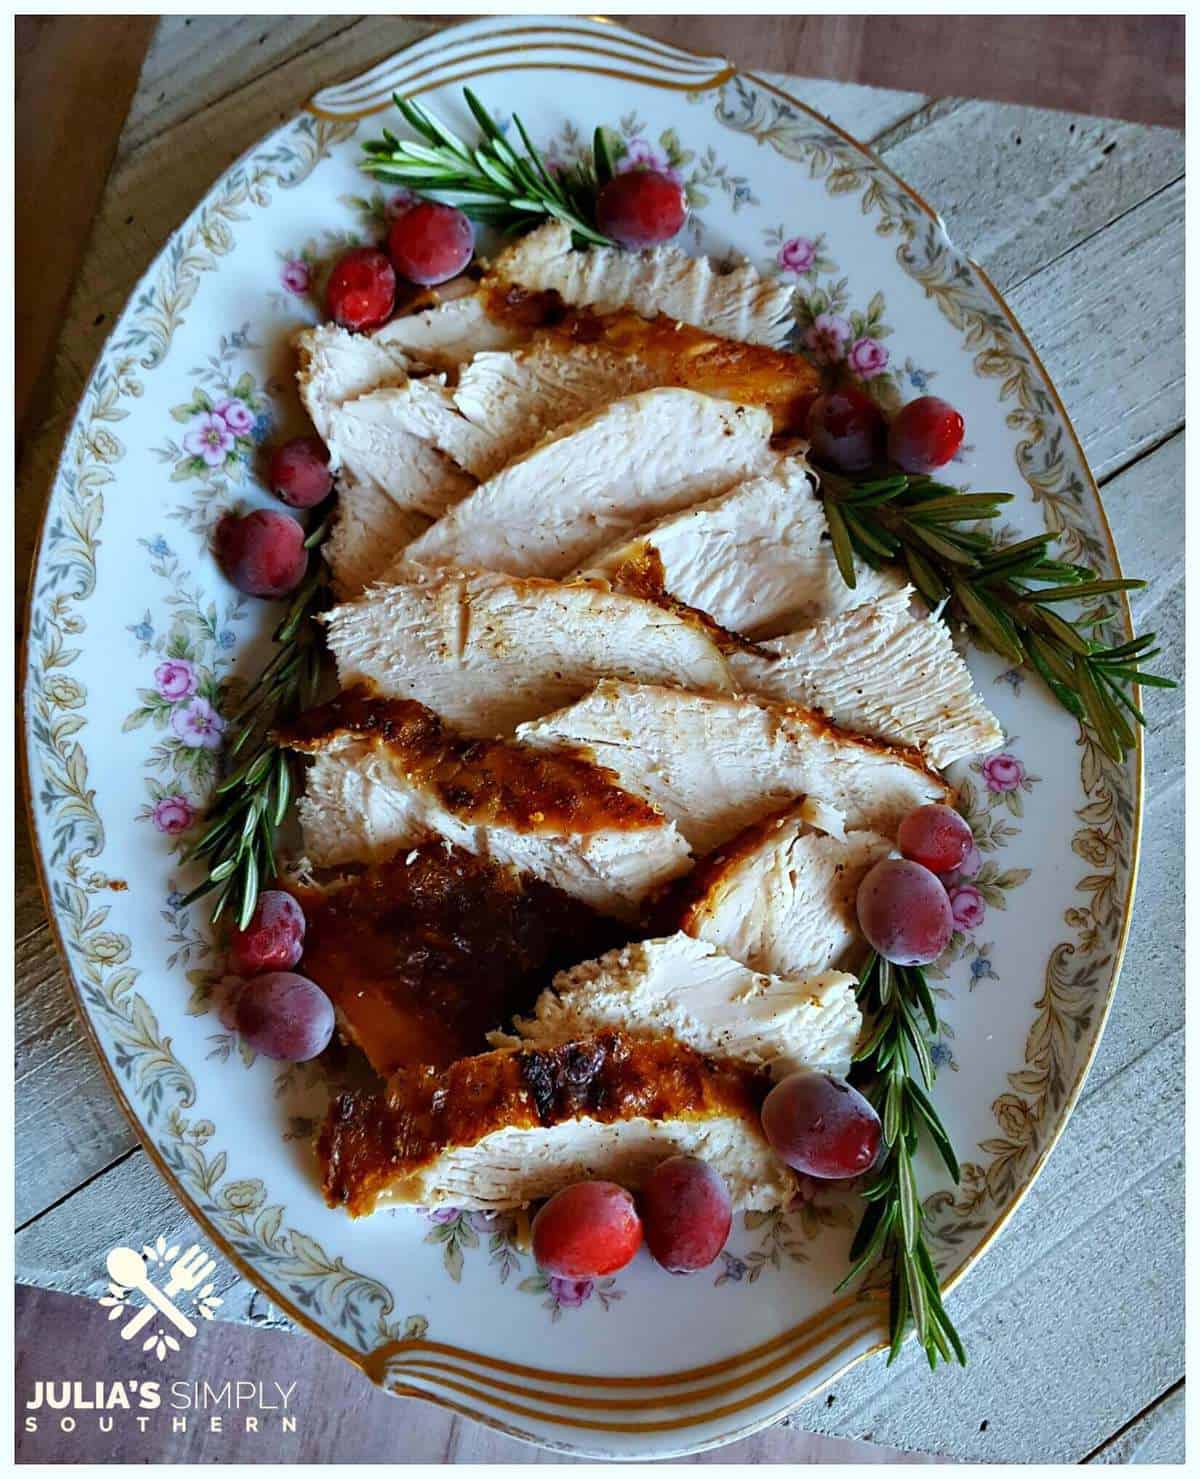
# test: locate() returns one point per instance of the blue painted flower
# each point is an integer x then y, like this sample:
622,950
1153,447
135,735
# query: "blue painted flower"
174,899
157,546
741,195
919,379
144,630
1015,679
981,966
226,639
262,427
735,1269
940,1053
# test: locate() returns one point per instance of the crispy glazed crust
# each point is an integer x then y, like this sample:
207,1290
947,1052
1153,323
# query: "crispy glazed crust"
370,1142
488,782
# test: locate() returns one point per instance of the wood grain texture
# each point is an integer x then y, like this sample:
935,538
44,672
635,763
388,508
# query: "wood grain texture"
1127,66
1080,221
75,76
337,1412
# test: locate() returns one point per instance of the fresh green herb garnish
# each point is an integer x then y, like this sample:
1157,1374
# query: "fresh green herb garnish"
251,801
492,181
898,1003
1008,594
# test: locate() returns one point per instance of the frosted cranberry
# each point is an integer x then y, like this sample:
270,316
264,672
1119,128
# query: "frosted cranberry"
686,1213
262,553
925,434
431,243
274,938
361,292
640,208
821,1126
587,1230
846,429
299,472
904,912
936,837
284,1016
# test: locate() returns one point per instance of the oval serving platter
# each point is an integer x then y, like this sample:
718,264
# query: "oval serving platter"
134,636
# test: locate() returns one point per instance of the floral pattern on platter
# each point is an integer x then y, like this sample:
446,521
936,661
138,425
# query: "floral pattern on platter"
304,270
225,421
185,698
783,1232
570,1294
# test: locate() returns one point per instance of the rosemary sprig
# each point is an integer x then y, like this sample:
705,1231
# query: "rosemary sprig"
251,799
491,181
1008,593
898,1003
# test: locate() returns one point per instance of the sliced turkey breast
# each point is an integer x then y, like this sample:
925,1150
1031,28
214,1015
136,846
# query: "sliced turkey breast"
882,671
716,765
372,433
425,952
367,530
695,993
388,774
739,304
442,337
487,651
513,400
510,1127
757,559
333,366
781,896
596,478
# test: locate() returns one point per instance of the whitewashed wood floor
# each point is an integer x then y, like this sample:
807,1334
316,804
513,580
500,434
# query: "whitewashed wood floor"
1074,1320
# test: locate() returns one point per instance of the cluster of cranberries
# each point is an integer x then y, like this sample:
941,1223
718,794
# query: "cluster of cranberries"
278,1013
847,431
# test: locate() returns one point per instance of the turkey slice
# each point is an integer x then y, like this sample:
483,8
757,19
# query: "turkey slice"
780,897
718,764
757,559
512,1126
597,478
882,671
738,304
690,990
388,774
487,651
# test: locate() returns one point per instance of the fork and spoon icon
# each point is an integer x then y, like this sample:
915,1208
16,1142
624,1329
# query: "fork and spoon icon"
127,1268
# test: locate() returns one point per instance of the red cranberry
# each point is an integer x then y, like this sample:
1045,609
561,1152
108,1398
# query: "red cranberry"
299,473
640,208
586,1230
274,938
262,553
925,434
361,292
846,429
431,243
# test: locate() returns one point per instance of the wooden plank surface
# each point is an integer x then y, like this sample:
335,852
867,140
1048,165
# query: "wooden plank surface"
1081,221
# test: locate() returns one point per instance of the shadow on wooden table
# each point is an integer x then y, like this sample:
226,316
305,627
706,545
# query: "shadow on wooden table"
339,1417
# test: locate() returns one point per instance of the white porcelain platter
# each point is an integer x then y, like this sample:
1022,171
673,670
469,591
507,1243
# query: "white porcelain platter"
134,634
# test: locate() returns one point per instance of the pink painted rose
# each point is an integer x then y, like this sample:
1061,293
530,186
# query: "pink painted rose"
398,202
642,155
826,339
867,358
295,277
175,679
968,868
571,1292
967,906
173,814
441,1214
236,415
797,254
1003,773
209,438
198,725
